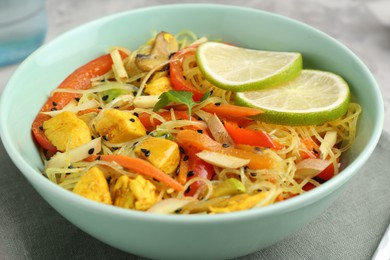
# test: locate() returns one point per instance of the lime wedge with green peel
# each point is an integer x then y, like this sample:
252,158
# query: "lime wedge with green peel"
239,69
313,98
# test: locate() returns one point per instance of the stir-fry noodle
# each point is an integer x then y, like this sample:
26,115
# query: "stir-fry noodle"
174,179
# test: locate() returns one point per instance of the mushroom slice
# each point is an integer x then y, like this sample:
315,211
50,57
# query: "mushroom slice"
164,44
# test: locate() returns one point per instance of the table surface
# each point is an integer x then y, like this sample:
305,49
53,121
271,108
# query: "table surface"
352,22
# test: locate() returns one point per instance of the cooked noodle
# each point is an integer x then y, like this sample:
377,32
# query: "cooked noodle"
280,182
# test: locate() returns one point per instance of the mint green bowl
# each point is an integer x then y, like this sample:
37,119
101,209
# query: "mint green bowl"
184,237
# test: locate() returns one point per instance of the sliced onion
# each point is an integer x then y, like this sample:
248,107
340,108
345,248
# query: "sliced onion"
222,160
218,131
327,144
169,206
118,64
73,107
311,167
65,159
145,101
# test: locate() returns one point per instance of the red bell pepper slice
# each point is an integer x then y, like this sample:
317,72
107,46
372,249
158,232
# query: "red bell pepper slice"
250,137
197,168
79,79
177,78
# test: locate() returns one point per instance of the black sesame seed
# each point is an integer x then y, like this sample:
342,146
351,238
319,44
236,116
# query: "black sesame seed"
185,158
105,97
217,104
105,138
132,120
177,211
146,152
184,77
98,158
90,151
225,145
77,99
200,131
171,55
190,174
41,127
99,107
315,151
253,174
165,68
181,149
136,114
188,189
53,109
258,149
54,103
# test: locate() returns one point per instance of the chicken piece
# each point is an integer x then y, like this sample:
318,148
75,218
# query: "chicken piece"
122,195
158,86
162,153
119,126
66,131
238,202
138,193
144,191
93,185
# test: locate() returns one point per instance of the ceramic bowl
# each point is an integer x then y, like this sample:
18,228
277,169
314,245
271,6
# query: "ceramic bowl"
176,236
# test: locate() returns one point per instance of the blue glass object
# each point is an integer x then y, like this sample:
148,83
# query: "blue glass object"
23,27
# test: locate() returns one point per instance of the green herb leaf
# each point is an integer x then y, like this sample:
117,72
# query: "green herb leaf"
175,96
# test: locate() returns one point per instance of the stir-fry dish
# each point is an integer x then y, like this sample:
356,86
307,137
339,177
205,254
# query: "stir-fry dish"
152,130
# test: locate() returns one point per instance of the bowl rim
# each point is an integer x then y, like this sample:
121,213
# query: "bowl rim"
289,205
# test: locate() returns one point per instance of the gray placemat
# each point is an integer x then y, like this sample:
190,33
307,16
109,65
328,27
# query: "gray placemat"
350,229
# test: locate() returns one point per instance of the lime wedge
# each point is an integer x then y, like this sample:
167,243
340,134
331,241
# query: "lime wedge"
238,69
313,98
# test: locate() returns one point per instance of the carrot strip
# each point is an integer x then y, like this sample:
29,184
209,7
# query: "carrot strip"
87,111
193,139
183,169
139,166
227,110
